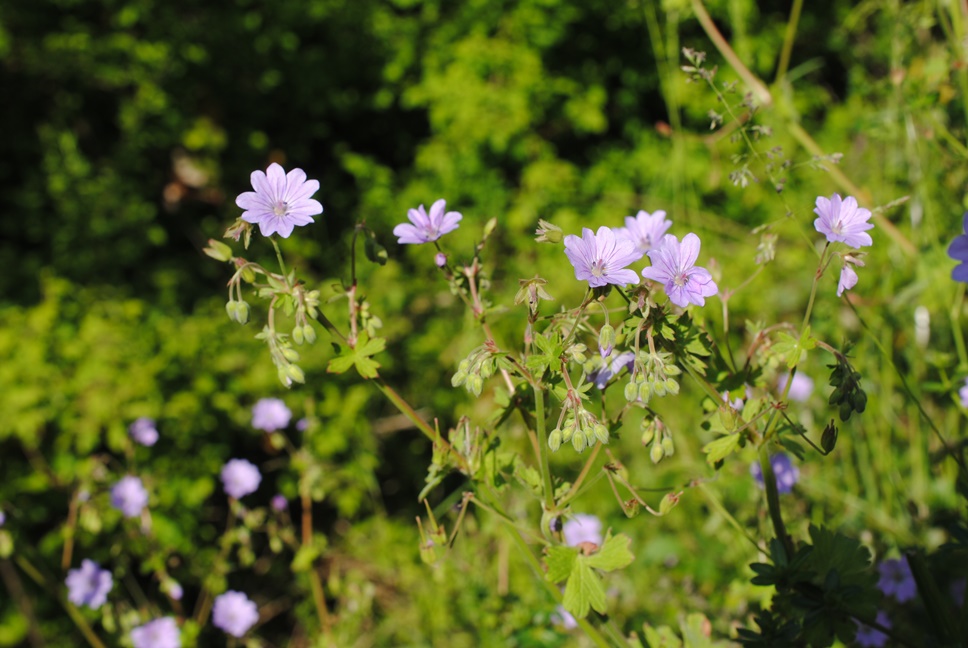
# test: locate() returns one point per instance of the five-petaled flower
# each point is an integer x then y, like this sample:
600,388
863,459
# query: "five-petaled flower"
842,220
160,633
600,258
270,414
280,201
427,228
897,580
240,477
89,585
645,230
674,266
129,496
958,250
234,613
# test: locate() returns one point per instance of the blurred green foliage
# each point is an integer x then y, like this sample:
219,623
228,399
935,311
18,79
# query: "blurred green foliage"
130,125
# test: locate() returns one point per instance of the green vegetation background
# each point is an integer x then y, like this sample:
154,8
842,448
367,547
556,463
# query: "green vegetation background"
130,126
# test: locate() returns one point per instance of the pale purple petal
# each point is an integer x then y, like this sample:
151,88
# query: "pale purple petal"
234,613
89,585
427,228
280,201
582,528
160,633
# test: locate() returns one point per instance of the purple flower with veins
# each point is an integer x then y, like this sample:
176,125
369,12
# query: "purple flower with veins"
240,477
600,258
869,637
270,414
582,528
160,633
645,230
280,201
427,228
674,266
897,580
786,473
143,431
842,220
129,496
234,613
89,585
611,368
958,250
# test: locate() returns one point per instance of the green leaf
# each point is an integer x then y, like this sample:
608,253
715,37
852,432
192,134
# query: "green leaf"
304,558
560,561
583,590
721,448
359,356
612,555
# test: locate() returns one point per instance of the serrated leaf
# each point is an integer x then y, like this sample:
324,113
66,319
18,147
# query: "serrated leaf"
560,561
340,364
359,356
721,448
584,589
613,554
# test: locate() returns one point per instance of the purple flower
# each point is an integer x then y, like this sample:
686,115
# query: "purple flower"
645,230
427,228
565,618
279,503
673,265
582,528
143,431
963,394
175,590
843,220
784,470
234,613
240,477
280,200
3,518
958,250
89,585
270,414
160,633
848,276
600,258
736,403
129,496
603,374
801,388
897,580
868,637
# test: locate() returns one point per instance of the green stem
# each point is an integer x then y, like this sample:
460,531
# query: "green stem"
282,264
541,427
759,90
773,502
791,32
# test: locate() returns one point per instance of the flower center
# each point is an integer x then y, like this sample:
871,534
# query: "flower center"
598,268
280,208
838,226
680,279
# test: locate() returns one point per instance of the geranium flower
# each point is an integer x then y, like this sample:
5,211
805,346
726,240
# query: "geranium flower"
958,250
897,580
582,528
270,414
89,585
843,220
848,276
234,613
786,473
129,496
427,228
645,230
160,633
240,477
673,265
143,431
280,201
600,258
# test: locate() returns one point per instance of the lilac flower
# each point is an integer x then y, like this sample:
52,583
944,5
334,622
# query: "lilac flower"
440,259
280,200
645,230
611,368
958,250
848,276
673,265
270,414
160,633
302,424
89,585
129,496
600,258
240,477
582,528
3,518
427,228
868,637
143,431
897,580
565,618
784,470
843,220
175,591
963,394
279,503
234,613
801,388
736,403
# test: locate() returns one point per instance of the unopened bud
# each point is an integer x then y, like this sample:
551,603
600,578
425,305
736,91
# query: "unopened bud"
578,442
291,355
668,448
554,440
242,314
668,503
631,391
828,440
440,259
648,431
218,250
309,333
297,334
295,374
601,433
656,453
248,274
606,340
548,233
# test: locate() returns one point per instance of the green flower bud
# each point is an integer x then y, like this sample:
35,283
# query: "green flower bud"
242,312
309,333
290,354
648,431
554,440
297,335
475,384
606,337
668,503
668,448
248,274
458,379
672,386
656,453
601,433
645,393
295,374
578,442
218,250
658,386
631,391
231,308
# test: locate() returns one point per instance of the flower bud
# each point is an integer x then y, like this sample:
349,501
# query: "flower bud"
631,391
601,433
668,449
309,333
291,355
648,431
548,233
231,307
606,340
218,250
440,259
578,442
656,453
554,440
242,312
672,386
668,503
828,440
248,274
297,334
475,384
645,393
295,374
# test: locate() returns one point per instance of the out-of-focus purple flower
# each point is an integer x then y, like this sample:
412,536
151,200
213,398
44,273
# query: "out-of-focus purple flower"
280,201
963,394
175,591
848,276
801,388
843,220
129,496
784,470
736,403
234,613
160,633
645,230
674,266
565,618
958,250
3,518
240,477
143,431
89,585
440,259
612,367
270,414
868,637
279,503
897,580
957,591
427,228
600,258
582,528
302,424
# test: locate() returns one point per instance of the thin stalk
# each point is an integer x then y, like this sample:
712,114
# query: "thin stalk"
282,264
727,515
759,90
540,425
773,502
791,32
